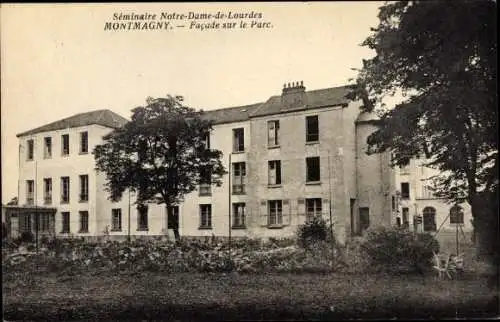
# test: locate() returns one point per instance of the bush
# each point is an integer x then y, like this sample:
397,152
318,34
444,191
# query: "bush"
244,256
396,249
26,237
312,232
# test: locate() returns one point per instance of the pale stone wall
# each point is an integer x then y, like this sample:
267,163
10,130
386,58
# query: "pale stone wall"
416,175
335,149
374,180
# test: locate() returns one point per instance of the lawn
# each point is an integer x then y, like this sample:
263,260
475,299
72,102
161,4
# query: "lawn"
232,296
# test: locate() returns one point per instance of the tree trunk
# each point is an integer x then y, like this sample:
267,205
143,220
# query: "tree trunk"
176,234
174,224
485,214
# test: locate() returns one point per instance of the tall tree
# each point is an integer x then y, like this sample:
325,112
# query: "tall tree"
442,56
161,154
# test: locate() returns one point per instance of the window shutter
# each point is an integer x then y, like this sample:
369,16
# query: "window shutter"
286,212
263,213
325,208
301,210
278,172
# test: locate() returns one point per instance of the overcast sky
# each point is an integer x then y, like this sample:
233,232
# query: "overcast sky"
57,60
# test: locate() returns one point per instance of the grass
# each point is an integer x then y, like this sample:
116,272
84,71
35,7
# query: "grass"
197,297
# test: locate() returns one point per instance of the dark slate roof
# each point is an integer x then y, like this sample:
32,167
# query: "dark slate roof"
231,114
334,96
105,118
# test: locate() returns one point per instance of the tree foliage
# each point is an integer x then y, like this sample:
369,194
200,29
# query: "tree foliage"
442,56
161,153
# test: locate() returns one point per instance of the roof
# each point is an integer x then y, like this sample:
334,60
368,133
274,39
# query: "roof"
315,99
333,96
104,117
231,114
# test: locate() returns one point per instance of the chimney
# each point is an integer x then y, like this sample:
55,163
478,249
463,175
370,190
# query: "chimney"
294,94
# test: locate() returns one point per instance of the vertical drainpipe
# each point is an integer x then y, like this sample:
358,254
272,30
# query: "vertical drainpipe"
19,175
356,174
229,201
128,224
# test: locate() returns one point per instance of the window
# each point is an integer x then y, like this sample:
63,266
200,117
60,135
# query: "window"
275,212
313,208
239,175
173,217
47,191
84,142
406,217
47,147
429,219
206,216
274,176
116,219
205,188
273,133
45,222
239,215
65,144
24,222
312,129
142,218
31,150
84,222
30,192
393,203
65,222
238,140
64,189
84,188
364,218
405,190
313,172
456,215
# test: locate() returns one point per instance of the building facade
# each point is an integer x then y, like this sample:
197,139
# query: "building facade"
418,208
297,155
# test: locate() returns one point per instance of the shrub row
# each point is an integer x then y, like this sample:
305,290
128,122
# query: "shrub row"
381,249
67,256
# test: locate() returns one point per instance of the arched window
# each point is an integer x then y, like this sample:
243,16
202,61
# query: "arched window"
456,215
429,215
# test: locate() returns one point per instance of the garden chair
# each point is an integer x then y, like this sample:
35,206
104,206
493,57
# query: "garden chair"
442,265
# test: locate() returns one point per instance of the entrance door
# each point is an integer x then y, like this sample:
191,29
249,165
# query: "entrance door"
14,227
364,218
429,219
24,223
406,218
353,218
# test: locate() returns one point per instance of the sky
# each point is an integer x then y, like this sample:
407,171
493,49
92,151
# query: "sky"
58,60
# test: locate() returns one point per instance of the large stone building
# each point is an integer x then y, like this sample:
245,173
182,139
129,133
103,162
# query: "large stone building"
418,208
294,156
